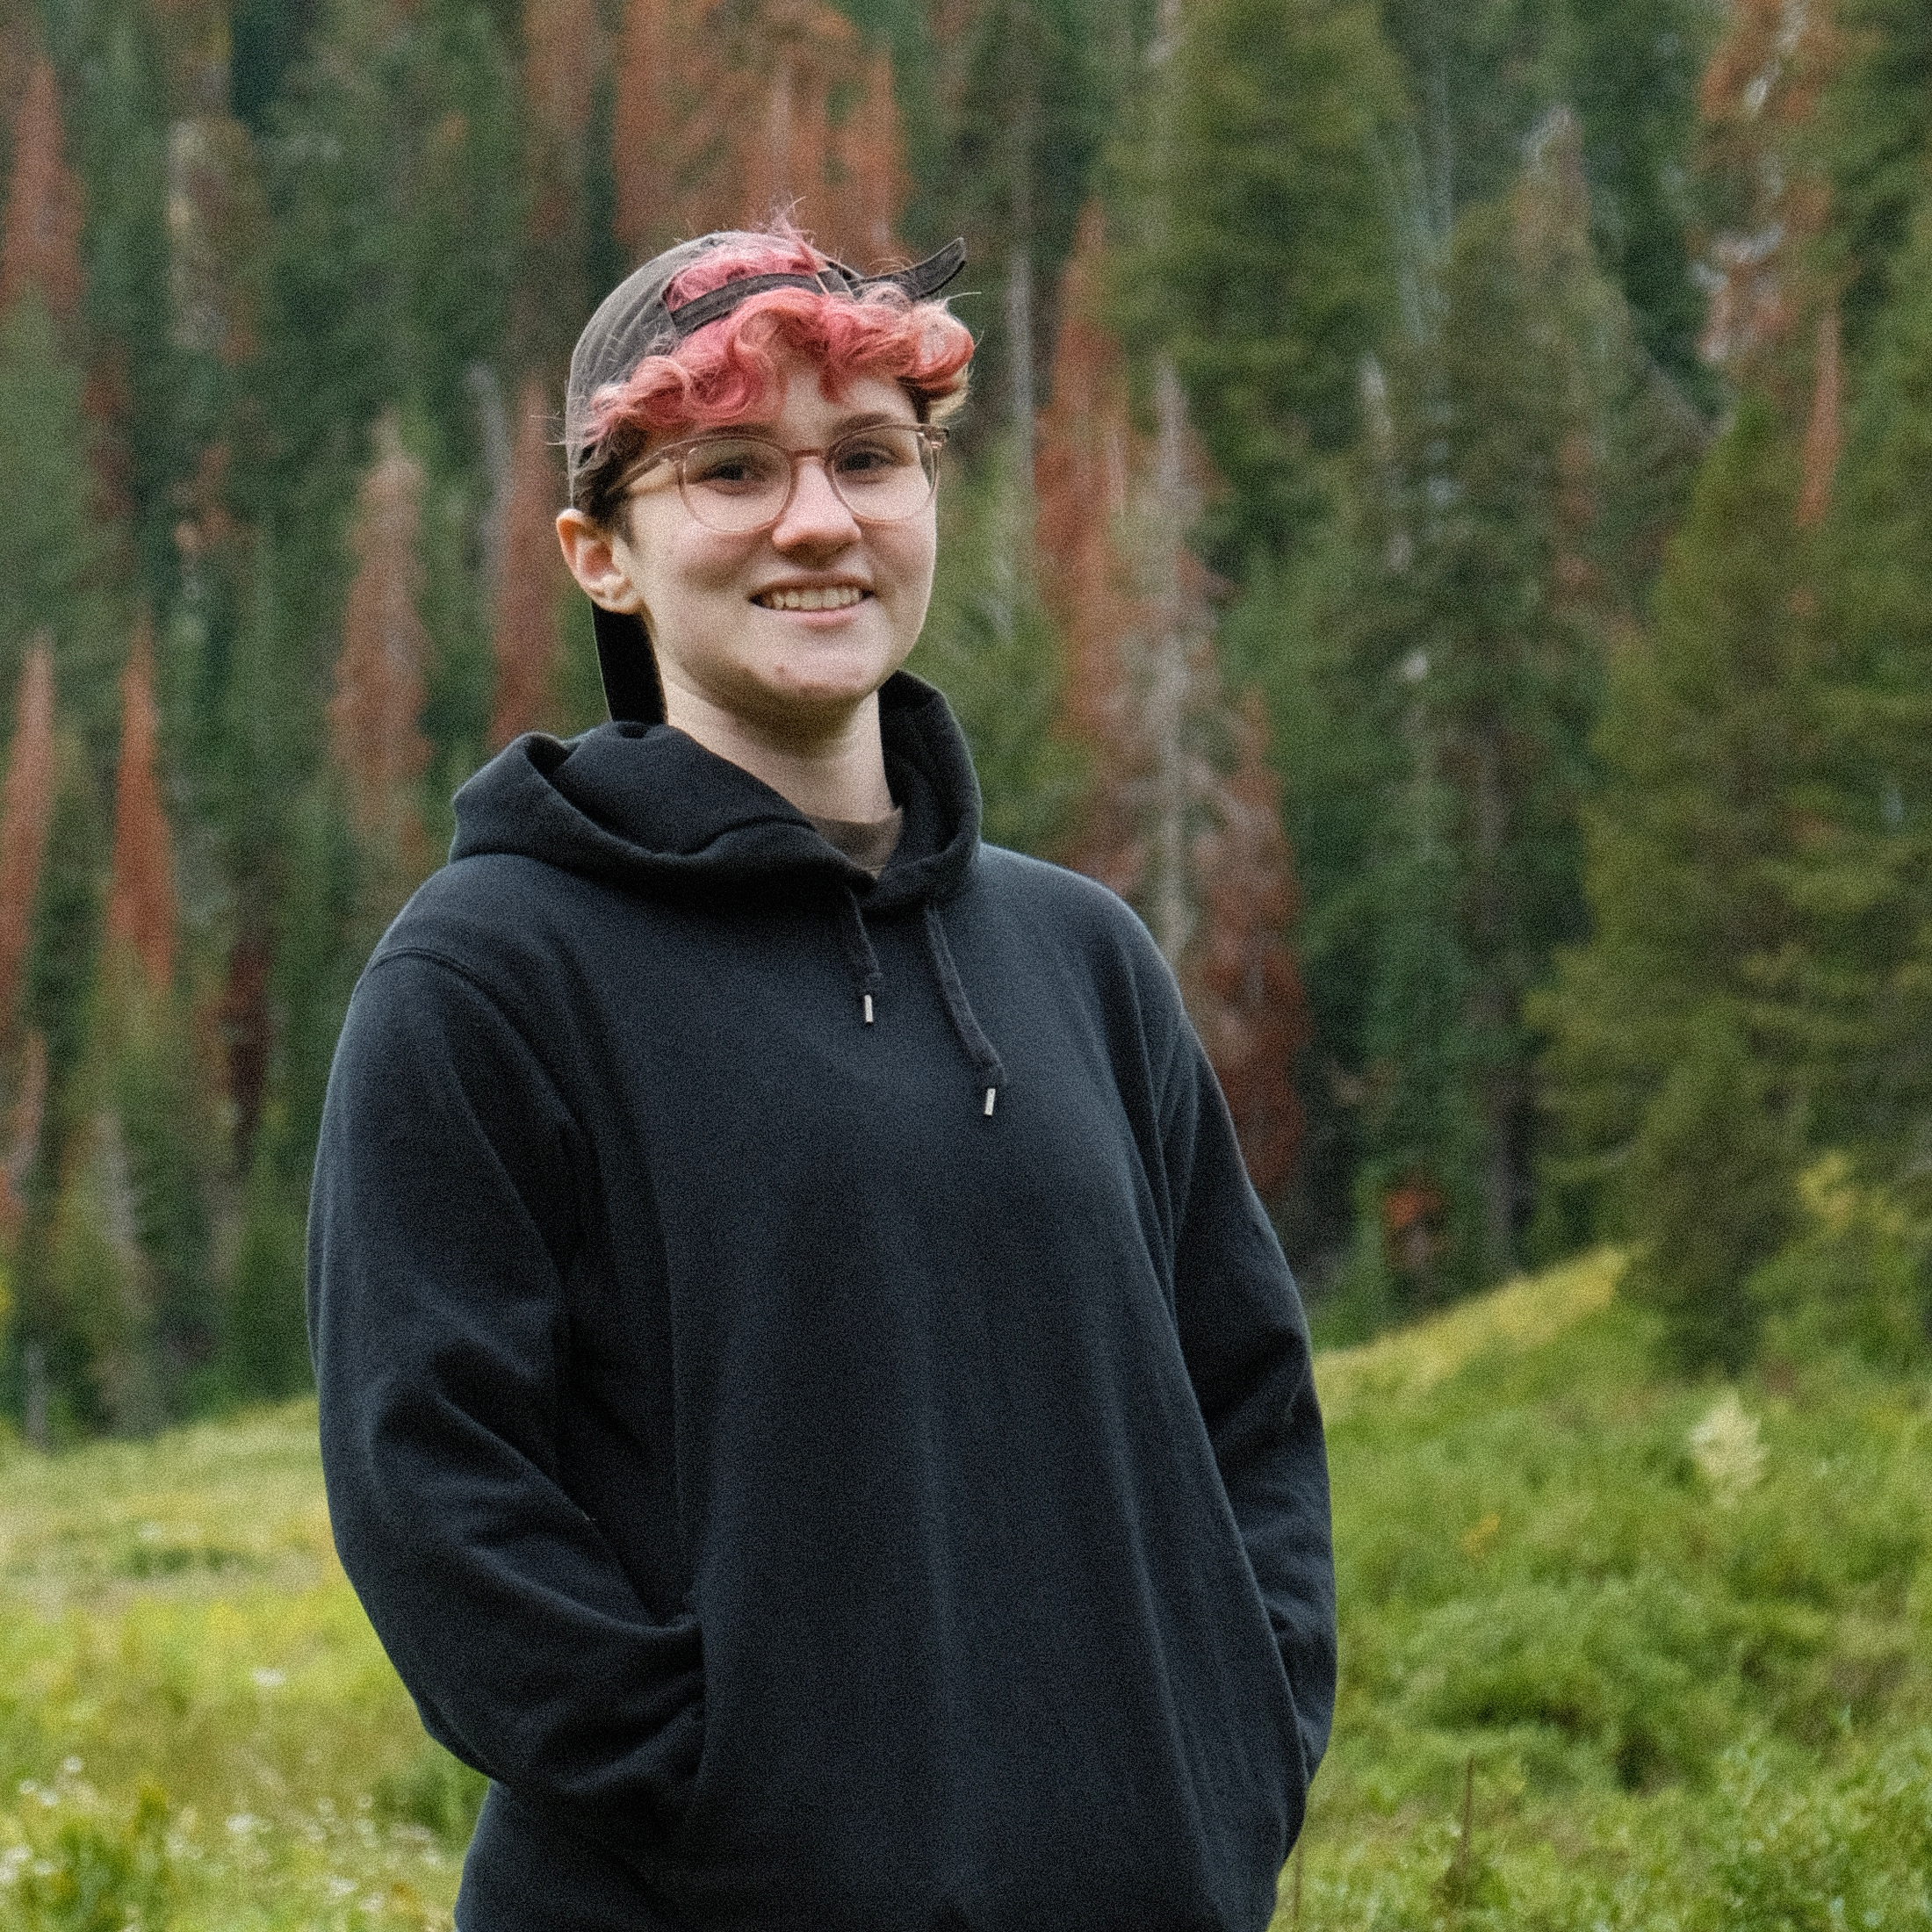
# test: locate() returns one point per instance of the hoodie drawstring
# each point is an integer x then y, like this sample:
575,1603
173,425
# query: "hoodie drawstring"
859,954
979,1049
864,963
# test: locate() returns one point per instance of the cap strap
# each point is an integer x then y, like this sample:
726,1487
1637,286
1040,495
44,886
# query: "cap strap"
929,276
922,279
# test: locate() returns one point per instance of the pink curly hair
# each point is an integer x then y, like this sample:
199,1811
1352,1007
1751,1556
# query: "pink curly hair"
731,369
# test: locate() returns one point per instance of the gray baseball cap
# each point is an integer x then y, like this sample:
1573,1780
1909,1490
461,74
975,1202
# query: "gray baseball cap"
635,320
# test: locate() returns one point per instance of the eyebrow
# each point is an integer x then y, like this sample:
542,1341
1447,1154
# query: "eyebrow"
845,426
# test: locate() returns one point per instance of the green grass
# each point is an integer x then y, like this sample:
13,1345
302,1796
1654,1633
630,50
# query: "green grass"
176,1633
1676,1651
1685,1642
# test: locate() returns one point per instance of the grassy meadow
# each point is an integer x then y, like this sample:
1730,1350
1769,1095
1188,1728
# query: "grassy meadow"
1618,1652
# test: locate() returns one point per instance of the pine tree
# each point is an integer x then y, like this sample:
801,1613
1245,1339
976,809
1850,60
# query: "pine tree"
40,244
377,745
1824,433
1263,262
868,189
1197,846
1086,452
27,812
530,577
1873,125
677,104
1865,854
141,894
561,51
1680,997
1758,100
1027,91
1489,499
52,543
26,1119
1246,989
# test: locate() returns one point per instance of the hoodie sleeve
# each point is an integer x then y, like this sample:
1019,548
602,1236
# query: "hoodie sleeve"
443,1214
1245,1340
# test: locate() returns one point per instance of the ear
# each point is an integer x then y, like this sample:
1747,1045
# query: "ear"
594,555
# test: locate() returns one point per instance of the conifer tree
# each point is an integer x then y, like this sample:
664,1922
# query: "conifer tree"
1873,125
530,577
1824,433
26,1119
868,188
561,52
1678,999
1487,499
375,739
1865,853
1197,846
1027,92
1261,259
677,104
141,893
40,243
1246,989
1758,101
27,812
126,1244
52,545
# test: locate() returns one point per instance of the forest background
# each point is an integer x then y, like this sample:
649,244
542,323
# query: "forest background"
1445,526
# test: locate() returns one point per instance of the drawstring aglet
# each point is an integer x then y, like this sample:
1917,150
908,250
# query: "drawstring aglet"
992,1094
867,999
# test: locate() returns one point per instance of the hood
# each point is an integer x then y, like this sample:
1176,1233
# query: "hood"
648,806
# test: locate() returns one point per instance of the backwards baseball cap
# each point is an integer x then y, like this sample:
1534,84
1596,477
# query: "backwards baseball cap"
636,320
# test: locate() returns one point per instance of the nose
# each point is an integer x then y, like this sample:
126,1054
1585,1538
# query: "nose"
816,517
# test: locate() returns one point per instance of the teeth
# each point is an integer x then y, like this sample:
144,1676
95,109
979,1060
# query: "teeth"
836,598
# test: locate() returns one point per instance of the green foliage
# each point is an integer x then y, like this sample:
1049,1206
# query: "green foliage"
117,116
1631,72
67,920
176,1605
1259,243
1857,1277
1852,1850
1709,1188
989,646
1672,1059
315,968
267,1349
1039,84
80,1869
1481,77
1871,137
1863,985
51,544
1684,1706
434,1791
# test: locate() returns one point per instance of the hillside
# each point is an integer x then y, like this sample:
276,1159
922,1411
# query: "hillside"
1677,1643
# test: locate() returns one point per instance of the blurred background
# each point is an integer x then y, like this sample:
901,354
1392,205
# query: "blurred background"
1444,526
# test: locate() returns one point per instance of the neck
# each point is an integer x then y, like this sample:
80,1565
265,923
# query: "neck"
835,773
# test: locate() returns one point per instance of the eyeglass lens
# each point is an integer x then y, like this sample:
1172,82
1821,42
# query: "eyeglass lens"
735,484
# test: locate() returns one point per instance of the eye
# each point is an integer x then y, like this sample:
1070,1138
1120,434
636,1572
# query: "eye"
732,464
873,453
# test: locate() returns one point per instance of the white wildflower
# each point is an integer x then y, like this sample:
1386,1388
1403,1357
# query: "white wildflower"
1727,1449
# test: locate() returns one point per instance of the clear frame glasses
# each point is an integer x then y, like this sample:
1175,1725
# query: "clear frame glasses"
738,483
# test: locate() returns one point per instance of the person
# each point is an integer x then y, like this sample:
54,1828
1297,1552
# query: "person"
810,1400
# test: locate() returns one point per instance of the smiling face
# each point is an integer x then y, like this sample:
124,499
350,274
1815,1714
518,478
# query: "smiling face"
788,633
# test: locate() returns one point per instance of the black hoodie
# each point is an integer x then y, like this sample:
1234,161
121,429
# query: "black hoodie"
829,1473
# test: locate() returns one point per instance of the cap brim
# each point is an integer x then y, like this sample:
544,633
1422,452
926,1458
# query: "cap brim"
630,670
